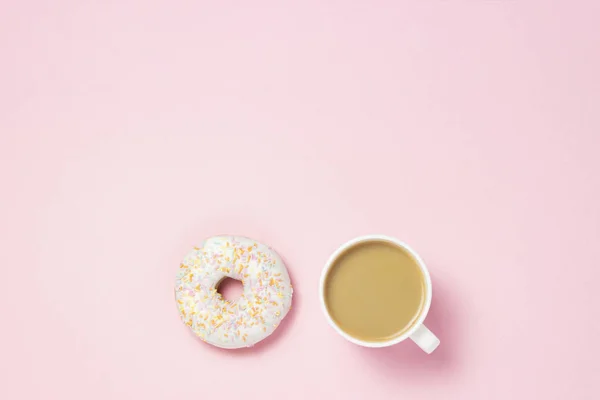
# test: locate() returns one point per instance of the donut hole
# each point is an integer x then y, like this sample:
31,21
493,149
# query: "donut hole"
230,289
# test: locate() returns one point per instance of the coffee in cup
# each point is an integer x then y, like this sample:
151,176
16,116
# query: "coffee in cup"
376,291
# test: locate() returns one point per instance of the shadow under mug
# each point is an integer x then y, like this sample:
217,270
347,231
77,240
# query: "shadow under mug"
419,333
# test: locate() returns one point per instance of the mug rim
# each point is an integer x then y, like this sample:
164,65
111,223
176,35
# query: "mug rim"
396,242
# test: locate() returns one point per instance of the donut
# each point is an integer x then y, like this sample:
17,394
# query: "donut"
265,300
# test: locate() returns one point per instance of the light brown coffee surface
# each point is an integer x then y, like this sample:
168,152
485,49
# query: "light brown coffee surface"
375,291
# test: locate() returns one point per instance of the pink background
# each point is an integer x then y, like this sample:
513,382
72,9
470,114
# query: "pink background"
130,130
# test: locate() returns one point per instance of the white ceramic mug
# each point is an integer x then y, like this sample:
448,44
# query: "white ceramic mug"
419,333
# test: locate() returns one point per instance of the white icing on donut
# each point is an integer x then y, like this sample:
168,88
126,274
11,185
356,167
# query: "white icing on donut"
266,298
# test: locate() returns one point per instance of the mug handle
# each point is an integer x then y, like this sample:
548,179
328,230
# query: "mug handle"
425,339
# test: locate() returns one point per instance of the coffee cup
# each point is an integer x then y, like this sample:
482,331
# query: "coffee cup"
375,291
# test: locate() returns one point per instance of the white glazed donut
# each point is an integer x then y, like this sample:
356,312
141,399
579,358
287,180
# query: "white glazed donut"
266,298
